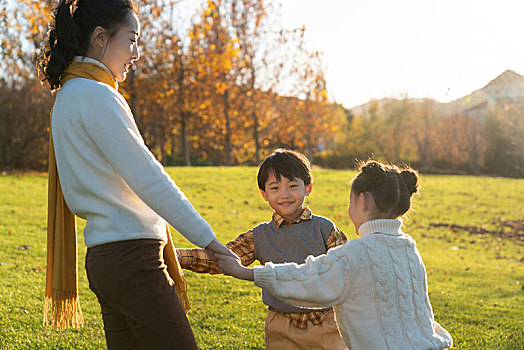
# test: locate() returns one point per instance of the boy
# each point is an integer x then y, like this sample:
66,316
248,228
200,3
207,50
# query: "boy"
294,233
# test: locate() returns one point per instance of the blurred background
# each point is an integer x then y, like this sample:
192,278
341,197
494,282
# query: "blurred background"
436,84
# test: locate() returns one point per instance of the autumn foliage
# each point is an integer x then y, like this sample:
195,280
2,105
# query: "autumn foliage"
225,84
210,96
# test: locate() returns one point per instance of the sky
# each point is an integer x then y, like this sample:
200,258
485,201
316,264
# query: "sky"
441,49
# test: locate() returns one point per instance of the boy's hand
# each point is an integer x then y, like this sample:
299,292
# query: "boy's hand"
216,247
232,267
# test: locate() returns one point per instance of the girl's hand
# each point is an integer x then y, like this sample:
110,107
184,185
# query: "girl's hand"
232,267
215,247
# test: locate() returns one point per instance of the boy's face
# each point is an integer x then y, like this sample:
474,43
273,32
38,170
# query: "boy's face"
286,196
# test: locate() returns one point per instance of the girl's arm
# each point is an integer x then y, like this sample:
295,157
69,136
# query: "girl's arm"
321,282
233,267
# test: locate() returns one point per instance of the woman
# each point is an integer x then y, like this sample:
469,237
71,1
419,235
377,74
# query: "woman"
109,177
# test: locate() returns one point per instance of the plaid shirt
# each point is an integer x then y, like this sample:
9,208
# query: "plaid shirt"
244,247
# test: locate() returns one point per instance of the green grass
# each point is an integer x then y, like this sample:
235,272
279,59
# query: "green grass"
475,280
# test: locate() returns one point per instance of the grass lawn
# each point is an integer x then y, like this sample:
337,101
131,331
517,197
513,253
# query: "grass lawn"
467,230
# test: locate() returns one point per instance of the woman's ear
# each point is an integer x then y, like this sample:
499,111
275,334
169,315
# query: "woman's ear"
99,37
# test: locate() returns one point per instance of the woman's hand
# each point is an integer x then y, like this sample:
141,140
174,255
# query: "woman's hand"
215,247
232,267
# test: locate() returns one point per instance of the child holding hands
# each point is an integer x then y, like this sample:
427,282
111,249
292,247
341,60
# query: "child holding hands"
294,233
377,284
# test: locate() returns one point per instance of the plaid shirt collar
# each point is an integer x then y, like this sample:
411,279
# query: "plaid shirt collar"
279,220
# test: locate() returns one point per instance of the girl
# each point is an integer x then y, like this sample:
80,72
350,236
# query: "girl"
377,284
109,177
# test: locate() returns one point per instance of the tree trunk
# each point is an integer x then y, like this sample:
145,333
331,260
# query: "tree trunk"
256,135
228,147
185,143
310,149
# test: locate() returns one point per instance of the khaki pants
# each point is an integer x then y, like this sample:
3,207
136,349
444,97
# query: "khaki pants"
139,303
282,335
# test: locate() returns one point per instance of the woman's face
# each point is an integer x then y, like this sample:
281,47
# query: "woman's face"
122,48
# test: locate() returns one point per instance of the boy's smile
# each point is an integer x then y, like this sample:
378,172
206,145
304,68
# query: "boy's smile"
286,196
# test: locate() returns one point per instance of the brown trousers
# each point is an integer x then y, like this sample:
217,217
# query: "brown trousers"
140,306
282,335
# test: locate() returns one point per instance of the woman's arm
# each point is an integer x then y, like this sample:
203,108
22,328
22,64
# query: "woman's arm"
110,125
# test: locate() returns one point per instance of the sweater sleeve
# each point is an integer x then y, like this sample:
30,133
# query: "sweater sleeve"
320,282
112,128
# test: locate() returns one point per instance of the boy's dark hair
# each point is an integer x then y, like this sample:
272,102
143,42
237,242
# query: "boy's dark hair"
287,163
390,186
69,33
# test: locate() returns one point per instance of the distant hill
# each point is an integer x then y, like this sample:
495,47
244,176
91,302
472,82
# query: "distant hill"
508,86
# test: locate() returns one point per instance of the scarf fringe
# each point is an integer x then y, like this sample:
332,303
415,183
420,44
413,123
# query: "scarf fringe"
63,311
175,271
183,298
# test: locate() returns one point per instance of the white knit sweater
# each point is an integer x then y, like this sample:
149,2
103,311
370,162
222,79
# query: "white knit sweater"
108,175
377,285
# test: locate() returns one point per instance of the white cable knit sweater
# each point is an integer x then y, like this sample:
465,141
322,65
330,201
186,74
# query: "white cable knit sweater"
108,175
377,285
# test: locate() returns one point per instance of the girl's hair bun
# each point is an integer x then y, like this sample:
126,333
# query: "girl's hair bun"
391,186
374,174
410,177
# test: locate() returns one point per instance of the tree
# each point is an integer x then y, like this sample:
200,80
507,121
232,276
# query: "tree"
24,131
504,134
248,19
217,54
24,103
231,87
423,126
22,30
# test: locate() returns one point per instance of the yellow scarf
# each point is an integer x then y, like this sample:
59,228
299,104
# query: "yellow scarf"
62,306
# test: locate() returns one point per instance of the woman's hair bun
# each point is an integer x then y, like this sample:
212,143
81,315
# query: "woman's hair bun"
410,177
374,174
